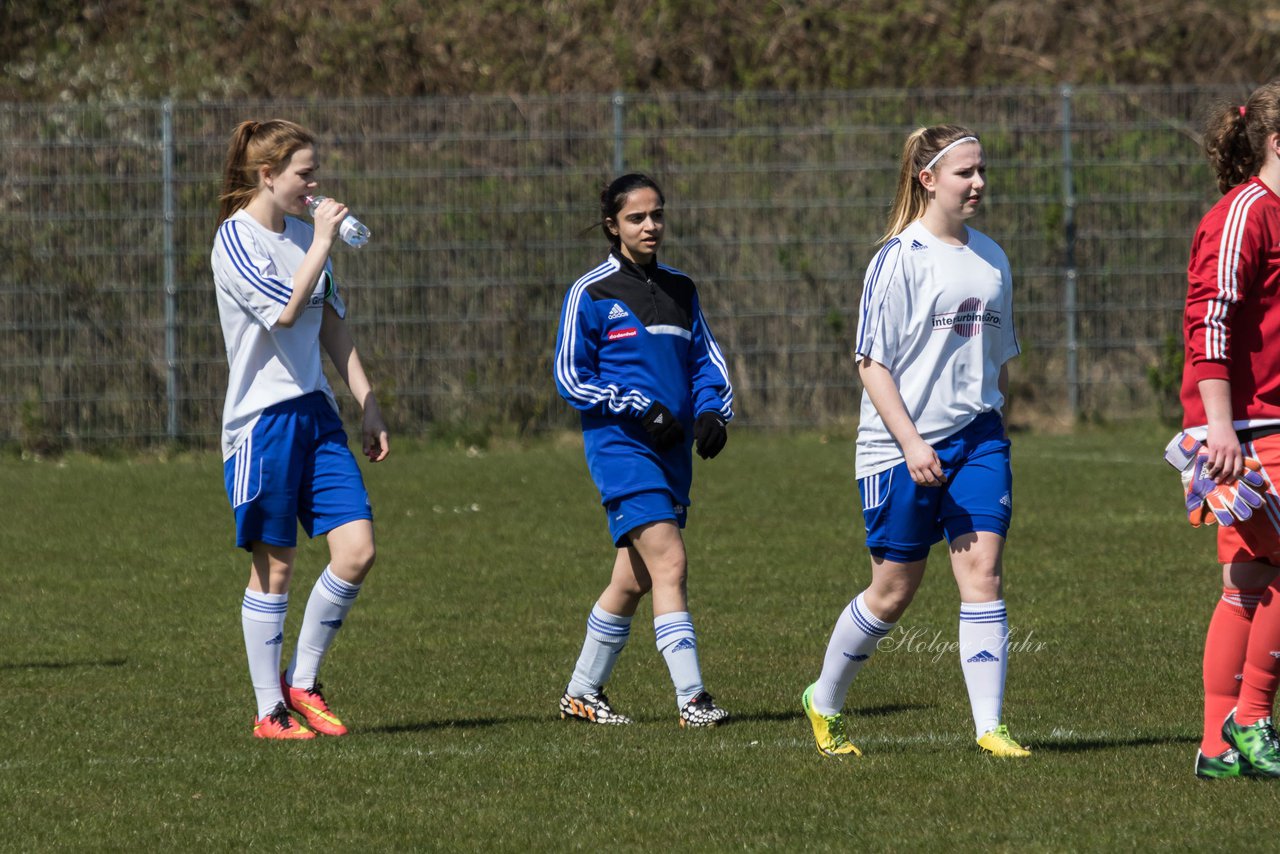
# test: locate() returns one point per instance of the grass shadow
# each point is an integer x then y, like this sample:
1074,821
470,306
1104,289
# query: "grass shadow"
463,723
64,665
798,714
887,709
1086,745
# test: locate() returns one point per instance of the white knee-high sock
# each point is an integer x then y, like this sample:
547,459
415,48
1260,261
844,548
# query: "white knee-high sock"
854,638
262,618
607,634
679,646
984,659
330,601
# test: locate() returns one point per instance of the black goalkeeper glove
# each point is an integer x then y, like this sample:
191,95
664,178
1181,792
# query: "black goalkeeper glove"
711,434
664,430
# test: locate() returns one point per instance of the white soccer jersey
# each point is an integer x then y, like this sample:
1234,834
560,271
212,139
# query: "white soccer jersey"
253,273
940,318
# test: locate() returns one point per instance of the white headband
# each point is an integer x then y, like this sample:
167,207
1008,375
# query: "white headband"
961,141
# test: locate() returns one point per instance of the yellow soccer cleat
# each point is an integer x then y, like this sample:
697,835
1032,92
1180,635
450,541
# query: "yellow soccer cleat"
828,730
998,742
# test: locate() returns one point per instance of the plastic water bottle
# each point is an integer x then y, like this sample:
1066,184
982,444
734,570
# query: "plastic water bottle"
352,230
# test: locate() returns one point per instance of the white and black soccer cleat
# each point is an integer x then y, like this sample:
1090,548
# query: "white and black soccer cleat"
592,708
702,711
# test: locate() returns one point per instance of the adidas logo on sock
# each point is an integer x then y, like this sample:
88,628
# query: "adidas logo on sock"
332,624
617,311
685,643
862,657
278,640
983,657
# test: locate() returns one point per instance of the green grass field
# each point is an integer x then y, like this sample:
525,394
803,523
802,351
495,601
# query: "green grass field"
126,705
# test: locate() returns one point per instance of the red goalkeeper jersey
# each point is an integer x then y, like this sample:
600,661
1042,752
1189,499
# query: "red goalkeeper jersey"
1231,325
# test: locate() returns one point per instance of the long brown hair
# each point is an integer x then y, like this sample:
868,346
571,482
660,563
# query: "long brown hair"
911,198
254,145
1235,139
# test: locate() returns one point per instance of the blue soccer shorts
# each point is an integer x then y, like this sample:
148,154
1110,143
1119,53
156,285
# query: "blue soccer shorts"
905,519
294,467
631,511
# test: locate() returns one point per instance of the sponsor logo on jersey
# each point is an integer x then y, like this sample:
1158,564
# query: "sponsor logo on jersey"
617,311
968,319
629,332
917,245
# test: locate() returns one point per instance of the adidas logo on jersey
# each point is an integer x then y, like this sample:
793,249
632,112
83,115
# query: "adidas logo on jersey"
916,244
617,311
1006,500
983,657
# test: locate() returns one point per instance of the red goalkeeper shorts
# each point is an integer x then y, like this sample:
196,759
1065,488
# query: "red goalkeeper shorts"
1259,538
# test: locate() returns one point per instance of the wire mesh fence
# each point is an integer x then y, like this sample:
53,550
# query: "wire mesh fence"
482,212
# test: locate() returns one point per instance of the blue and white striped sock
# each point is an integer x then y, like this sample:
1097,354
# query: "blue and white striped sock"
984,659
607,634
854,638
679,646
327,608
262,618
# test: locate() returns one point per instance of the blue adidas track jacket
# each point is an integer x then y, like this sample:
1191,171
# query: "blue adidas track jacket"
629,336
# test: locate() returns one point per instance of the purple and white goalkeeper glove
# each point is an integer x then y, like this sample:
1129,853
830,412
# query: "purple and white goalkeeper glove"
1208,502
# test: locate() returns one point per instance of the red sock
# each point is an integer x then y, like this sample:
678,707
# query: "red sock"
1224,656
1261,661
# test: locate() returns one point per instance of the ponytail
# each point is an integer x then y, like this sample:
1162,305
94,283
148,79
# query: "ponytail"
254,145
1235,137
922,151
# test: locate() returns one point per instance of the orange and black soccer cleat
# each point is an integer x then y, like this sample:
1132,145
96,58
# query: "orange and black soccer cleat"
591,707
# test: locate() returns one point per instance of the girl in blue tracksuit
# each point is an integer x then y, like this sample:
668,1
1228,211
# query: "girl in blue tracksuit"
635,356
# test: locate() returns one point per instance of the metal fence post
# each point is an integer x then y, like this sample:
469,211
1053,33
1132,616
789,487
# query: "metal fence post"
170,284
1069,306
619,104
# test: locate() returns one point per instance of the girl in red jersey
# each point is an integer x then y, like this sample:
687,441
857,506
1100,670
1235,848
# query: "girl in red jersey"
1231,403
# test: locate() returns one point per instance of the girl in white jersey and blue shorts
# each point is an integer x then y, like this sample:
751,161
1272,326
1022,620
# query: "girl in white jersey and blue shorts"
285,452
935,332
